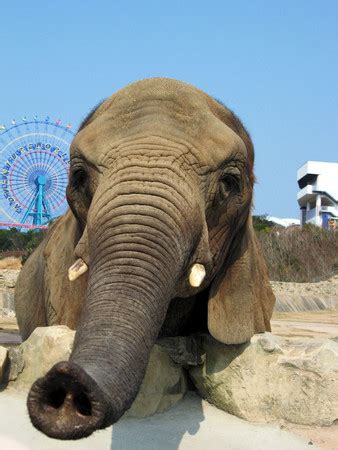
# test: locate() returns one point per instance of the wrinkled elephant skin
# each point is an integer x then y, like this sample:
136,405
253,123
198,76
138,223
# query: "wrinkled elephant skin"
160,231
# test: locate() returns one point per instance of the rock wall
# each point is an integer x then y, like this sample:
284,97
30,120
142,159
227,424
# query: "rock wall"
290,297
295,297
8,279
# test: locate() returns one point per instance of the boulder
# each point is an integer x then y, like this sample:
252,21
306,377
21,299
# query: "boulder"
272,379
164,384
3,360
45,347
17,362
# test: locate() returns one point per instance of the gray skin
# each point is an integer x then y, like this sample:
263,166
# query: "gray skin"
161,178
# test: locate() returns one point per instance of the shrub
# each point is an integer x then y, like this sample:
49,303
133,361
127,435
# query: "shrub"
261,223
13,239
297,254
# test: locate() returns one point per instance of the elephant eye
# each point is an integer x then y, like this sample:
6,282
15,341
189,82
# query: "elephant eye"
229,184
79,179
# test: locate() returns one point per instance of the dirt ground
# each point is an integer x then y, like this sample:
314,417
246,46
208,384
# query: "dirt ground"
305,324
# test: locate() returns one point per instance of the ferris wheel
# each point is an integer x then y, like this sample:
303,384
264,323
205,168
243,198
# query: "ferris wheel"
34,167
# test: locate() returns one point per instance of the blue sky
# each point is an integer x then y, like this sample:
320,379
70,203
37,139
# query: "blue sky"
274,63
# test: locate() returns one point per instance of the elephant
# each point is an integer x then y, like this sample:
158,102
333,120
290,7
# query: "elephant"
158,241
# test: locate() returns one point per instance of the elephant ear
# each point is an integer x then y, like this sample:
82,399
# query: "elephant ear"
241,300
63,300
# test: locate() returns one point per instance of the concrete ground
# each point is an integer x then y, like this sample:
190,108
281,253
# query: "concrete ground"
193,424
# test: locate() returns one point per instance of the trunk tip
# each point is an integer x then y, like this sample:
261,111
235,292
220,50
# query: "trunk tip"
67,403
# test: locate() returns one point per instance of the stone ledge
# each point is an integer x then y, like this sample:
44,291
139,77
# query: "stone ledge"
272,379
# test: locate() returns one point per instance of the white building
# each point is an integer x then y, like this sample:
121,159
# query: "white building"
318,195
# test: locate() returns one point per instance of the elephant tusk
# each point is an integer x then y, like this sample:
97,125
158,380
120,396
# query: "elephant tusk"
77,269
197,275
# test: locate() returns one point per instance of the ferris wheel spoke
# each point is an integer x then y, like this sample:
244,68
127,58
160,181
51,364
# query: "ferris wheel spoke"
23,196
26,201
51,160
19,183
60,176
61,183
20,170
18,177
57,163
60,173
26,161
35,157
57,197
60,189
17,189
56,194
45,158
56,181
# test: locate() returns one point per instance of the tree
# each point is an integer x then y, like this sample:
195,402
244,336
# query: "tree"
261,223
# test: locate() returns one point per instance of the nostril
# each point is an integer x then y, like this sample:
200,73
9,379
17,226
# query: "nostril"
56,397
67,403
82,404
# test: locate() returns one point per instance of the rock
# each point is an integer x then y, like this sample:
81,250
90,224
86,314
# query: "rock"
184,350
45,347
164,384
7,284
8,278
269,379
272,379
3,360
7,303
16,362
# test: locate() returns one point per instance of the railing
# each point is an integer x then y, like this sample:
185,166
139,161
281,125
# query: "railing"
330,209
22,225
13,253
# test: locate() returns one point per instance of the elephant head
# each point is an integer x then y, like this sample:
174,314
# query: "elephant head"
160,188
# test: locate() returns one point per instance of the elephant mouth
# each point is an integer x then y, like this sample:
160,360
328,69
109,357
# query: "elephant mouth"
67,403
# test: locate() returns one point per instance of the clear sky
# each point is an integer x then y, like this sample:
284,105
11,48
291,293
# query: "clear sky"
275,63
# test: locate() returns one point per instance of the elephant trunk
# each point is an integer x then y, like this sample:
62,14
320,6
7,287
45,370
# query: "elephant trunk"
138,251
